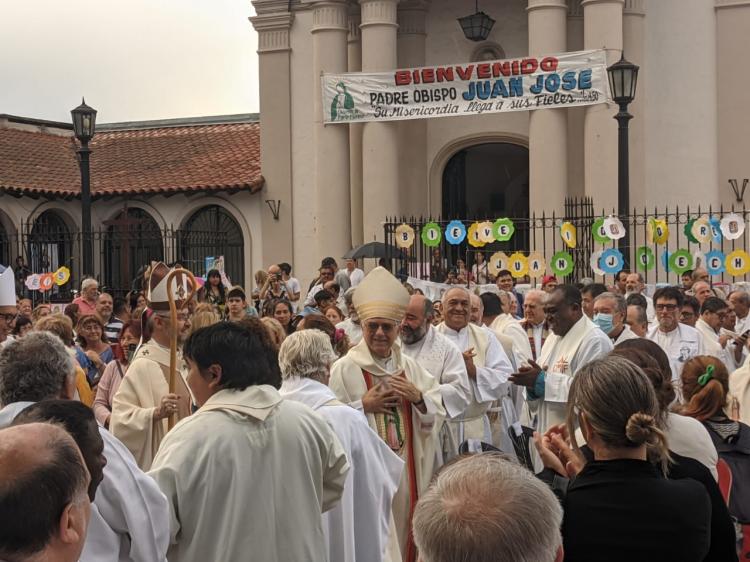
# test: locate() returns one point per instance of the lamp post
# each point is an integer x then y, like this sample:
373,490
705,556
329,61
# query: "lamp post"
623,78
84,125
477,26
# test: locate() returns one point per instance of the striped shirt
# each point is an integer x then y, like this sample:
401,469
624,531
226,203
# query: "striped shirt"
112,330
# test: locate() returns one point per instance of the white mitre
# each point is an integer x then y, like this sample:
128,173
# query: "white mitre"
380,295
157,296
8,303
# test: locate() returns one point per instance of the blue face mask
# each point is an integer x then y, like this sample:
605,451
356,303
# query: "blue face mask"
604,321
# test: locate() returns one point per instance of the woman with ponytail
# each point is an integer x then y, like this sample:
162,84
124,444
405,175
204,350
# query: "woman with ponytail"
619,506
705,388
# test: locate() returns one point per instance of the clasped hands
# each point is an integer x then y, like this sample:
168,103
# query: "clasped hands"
556,452
383,397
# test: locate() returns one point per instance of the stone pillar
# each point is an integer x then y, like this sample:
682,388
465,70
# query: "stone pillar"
380,148
276,133
355,132
413,133
548,128
332,198
602,28
634,45
733,120
576,115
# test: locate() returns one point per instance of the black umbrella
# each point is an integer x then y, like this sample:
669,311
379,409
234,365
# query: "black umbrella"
375,250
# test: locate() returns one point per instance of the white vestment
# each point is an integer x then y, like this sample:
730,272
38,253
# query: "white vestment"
739,387
560,359
353,331
349,381
712,346
440,357
129,516
681,344
358,527
492,371
248,476
507,325
625,335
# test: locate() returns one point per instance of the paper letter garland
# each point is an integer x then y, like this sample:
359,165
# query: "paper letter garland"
518,265
738,263
594,262
404,236
681,261
568,233
613,228
611,261
537,265
561,264
486,234
597,229
715,260
431,234
497,262
503,229
702,230
645,260
474,236
455,232
732,226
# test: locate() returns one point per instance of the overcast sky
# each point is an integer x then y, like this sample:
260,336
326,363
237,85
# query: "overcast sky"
132,59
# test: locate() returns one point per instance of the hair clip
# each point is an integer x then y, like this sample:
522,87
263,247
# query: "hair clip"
707,376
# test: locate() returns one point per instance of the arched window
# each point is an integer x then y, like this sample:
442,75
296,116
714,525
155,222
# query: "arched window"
132,240
49,246
212,231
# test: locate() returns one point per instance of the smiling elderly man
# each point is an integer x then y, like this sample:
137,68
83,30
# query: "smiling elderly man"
402,401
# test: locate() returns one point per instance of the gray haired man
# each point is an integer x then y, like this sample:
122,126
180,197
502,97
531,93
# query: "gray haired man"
484,508
132,514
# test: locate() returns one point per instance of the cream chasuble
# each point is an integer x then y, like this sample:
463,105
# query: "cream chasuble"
145,383
248,477
411,434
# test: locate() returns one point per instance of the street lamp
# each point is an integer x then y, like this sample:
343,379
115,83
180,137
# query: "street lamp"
623,78
477,26
84,126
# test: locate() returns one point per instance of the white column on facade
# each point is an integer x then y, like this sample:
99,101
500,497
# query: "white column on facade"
602,29
413,133
733,44
634,46
274,79
332,198
355,131
380,147
548,128
576,115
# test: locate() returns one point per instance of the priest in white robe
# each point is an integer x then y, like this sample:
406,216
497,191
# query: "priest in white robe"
505,324
487,365
401,400
610,312
358,527
249,475
440,357
574,342
713,312
129,515
142,405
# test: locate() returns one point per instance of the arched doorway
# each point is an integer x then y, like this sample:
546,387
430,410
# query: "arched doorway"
488,181
49,246
212,231
132,240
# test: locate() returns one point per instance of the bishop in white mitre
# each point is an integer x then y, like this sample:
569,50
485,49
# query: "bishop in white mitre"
401,400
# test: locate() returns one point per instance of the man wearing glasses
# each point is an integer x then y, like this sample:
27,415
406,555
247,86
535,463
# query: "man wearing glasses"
679,341
401,400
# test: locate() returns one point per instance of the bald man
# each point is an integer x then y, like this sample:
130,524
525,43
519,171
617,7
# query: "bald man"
440,357
44,504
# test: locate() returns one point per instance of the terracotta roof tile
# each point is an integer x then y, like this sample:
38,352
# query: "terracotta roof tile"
204,157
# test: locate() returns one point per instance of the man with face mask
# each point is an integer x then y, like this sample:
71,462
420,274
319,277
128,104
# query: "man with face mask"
401,400
610,313
575,341
442,359
143,402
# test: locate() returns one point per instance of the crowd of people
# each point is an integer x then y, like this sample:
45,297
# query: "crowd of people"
361,421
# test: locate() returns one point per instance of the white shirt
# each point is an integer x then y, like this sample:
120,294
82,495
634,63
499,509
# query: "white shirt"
681,344
353,331
688,437
129,516
742,325
442,359
355,276
294,288
310,298
625,335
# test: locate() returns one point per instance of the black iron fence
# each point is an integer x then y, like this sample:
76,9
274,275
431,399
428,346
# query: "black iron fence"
120,255
542,233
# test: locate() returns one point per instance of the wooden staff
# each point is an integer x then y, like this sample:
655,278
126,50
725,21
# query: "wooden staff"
173,335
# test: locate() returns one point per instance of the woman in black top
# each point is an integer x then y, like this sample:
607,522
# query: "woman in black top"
620,506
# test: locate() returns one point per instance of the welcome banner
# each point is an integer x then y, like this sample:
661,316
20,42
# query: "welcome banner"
565,80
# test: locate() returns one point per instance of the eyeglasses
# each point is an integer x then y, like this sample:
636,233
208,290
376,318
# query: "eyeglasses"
387,327
667,307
